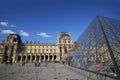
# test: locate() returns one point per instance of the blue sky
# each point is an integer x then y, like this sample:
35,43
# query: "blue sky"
41,20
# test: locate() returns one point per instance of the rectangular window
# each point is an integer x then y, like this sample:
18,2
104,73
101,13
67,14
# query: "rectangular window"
46,49
68,41
59,41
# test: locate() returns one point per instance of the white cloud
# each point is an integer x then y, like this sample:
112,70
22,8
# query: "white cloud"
7,32
4,23
12,26
24,33
43,34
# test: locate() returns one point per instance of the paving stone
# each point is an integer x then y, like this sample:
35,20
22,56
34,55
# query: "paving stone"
53,71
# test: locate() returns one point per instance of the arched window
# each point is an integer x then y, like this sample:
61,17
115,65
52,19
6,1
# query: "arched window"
24,58
28,58
50,57
33,57
38,57
46,57
55,57
42,57
19,58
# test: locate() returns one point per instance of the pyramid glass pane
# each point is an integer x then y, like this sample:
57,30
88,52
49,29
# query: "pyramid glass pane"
92,48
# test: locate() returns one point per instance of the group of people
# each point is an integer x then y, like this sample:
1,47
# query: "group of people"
7,63
37,64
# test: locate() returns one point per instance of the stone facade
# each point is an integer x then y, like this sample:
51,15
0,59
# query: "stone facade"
12,50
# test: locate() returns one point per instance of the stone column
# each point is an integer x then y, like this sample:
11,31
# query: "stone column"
35,57
52,57
14,58
30,58
21,58
3,50
49,57
14,52
9,54
44,56
26,58
39,58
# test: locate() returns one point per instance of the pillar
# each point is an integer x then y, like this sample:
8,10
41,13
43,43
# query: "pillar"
3,50
35,57
52,57
21,58
14,58
48,57
30,58
44,57
26,58
39,58
9,53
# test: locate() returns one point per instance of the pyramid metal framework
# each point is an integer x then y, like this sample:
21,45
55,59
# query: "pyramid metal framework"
99,45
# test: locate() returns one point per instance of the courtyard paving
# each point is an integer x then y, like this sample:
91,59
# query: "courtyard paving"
49,71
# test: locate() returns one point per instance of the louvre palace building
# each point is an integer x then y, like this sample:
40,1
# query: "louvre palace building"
13,50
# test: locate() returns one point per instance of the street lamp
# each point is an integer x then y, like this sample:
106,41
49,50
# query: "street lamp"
59,75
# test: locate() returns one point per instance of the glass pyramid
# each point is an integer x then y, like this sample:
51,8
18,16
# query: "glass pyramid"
99,45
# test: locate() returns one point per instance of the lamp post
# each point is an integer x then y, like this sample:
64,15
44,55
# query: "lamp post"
59,75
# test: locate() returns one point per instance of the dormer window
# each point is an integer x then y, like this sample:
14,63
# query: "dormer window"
68,41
